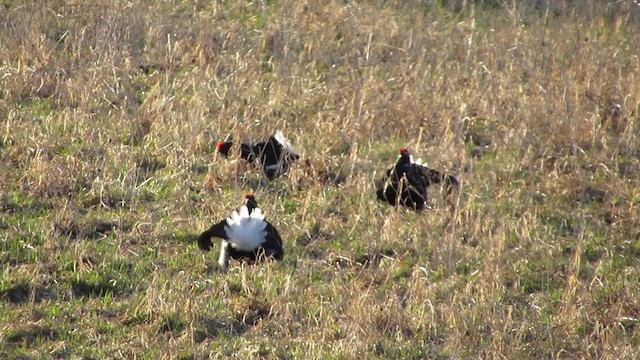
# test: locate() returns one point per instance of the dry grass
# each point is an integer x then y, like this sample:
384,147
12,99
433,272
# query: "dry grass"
108,172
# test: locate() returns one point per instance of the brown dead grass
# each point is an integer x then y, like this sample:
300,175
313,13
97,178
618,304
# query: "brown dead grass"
108,171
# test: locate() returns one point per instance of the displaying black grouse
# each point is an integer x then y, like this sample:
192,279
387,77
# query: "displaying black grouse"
245,235
276,155
406,183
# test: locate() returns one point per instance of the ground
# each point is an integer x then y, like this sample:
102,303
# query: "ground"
108,172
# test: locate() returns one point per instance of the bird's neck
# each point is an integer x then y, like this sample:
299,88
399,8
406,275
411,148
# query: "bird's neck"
251,204
402,164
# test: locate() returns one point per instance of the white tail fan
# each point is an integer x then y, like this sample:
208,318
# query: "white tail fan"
284,142
246,231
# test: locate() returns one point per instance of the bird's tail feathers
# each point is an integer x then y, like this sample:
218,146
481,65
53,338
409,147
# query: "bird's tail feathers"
246,230
451,183
279,136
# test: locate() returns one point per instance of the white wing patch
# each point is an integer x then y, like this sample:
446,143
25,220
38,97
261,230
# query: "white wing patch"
246,231
418,161
277,166
284,142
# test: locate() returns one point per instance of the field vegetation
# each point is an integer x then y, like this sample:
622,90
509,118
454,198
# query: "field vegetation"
111,111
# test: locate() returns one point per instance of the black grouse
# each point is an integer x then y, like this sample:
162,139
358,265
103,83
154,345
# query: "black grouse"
245,235
275,155
406,183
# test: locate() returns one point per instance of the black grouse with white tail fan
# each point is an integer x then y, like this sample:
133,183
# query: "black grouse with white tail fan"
406,183
246,236
275,155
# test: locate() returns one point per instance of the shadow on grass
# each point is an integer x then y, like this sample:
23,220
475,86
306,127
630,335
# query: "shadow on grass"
23,292
246,314
91,230
82,288
180,237
9,205
365,260
26,335
212,327
172,323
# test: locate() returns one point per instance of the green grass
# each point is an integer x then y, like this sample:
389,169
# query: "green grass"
108,173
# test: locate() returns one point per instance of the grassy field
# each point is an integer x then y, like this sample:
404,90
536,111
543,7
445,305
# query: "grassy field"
110,115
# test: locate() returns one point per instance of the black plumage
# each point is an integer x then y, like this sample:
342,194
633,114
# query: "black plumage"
250,202
406,183
275,155
252,239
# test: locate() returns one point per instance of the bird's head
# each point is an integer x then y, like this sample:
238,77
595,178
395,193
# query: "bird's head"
224,147
405,156
403,162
